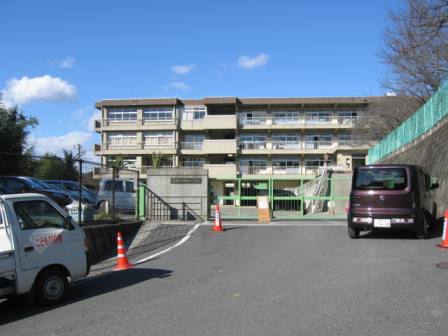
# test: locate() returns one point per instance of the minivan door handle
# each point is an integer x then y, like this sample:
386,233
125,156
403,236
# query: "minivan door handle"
28,248
356,197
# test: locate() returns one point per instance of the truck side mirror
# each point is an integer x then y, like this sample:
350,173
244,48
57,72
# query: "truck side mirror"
68,224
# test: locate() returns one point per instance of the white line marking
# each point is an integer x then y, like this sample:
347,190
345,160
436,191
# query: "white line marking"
180,242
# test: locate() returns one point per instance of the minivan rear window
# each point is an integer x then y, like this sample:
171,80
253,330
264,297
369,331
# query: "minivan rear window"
381,179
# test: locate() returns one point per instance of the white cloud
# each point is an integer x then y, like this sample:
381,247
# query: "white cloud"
55,144
182,69
44,88
179,86
86,117
67,63
90,121
246,62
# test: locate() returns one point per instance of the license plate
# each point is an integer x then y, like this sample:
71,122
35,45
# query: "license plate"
381,223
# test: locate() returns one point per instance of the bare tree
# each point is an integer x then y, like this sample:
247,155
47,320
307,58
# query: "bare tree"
416,48
383,115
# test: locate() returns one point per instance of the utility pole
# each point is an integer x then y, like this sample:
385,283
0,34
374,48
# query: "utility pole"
79,185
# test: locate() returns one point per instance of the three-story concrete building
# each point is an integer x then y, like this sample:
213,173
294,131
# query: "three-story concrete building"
233,136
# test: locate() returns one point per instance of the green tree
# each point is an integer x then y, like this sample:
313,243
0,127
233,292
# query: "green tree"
15,155
118,162
50,167
69,161
156,159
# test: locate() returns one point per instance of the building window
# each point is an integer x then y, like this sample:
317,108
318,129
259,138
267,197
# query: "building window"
166,161
193,162
253,166
347,117
125,139
128,161
158,114
156,138
285,117
345,140
253,141
252,117
194,138
121,114
316,117
318,141
285,141
286,166
193,112
315,162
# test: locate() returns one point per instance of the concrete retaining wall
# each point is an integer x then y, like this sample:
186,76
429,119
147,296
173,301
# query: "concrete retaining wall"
431,152
182,190
102,239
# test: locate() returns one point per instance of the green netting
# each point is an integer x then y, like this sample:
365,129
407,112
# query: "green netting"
434,110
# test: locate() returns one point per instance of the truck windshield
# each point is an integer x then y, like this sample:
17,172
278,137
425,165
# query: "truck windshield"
381,179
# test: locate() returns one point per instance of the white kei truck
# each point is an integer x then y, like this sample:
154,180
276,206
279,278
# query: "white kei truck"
41,249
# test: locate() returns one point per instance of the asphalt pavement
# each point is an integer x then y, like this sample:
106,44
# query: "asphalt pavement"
260,280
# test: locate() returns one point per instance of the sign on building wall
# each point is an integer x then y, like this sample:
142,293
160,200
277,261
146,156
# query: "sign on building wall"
186,180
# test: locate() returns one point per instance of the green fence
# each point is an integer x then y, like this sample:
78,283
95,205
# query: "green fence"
289,199
433,111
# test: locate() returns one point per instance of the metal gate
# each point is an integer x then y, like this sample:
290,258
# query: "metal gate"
322,197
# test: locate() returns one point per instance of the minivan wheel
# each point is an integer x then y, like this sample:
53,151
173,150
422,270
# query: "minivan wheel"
353,233
422,230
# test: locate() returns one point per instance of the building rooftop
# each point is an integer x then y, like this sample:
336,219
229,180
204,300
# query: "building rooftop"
301,101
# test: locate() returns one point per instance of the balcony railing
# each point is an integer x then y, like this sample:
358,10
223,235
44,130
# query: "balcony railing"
285,145
161,143
112,146
300,120
254,170
318,144
253,144
191,145
260,120
134,122
192,164
284,170
286,120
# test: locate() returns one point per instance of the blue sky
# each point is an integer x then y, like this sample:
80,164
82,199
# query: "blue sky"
59,57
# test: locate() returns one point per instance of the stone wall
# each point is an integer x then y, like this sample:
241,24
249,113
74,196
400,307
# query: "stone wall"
431,152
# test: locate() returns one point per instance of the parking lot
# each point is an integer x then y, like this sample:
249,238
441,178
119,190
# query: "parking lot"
306,279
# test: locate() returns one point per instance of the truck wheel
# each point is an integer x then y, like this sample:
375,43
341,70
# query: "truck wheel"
51,287
353,233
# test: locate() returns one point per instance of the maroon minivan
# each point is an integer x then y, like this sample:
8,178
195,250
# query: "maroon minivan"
390,196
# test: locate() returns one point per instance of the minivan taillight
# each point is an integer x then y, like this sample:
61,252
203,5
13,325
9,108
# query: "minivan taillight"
402,220
367,220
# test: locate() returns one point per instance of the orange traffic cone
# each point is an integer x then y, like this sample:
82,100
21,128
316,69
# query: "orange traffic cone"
218,224
122,261
444,242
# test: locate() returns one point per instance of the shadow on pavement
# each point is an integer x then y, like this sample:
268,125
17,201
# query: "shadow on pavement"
156,239
399,234
230,228
13,310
